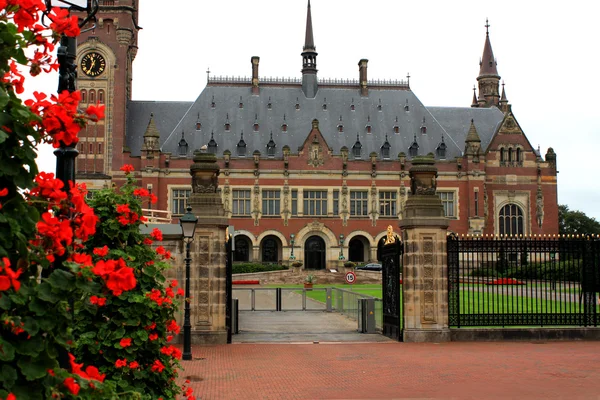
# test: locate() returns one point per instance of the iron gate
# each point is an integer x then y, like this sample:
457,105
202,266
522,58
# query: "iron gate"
228,284
390,255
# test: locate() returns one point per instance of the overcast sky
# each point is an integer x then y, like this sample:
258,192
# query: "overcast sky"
547,53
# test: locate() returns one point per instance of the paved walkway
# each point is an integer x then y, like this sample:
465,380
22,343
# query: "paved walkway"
553,370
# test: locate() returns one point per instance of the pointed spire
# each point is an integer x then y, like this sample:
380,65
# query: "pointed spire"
309,41
472,136
474,103
503,97
487,65
151,129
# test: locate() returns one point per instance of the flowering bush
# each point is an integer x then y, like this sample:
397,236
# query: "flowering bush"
125,330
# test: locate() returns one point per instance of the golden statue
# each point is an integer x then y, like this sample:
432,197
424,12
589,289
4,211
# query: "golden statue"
390,238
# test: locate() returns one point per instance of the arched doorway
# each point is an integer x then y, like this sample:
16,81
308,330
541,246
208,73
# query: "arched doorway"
314,253
358,249
242,249
270,249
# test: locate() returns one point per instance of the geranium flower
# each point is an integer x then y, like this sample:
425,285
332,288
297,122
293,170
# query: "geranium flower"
157,234
125,342
157,366
99,301
72,385
134,365
127,168
101,251
121,363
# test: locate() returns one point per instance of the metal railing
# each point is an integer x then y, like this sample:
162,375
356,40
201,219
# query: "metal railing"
523,281
157,216
283,299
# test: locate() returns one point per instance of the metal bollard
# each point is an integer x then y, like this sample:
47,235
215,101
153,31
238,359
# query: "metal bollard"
235,316
329,300
367,316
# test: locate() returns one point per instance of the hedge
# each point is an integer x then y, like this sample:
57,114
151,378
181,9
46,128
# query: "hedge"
249,268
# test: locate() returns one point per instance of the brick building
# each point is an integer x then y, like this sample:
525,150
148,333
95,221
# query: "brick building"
324,160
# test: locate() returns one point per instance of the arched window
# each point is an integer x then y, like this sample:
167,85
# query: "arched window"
501,154
83,96
92,96
510,220
518,159
101,96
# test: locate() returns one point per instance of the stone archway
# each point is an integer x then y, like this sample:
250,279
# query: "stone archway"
314,253
270,249
358,249
243,248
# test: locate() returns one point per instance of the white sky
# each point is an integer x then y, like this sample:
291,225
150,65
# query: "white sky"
547,53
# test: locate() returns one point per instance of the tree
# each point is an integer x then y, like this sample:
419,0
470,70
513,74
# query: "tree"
576,222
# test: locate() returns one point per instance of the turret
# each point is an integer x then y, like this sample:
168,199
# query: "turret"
309,60
488,79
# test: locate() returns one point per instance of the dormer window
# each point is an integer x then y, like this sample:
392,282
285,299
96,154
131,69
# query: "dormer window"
413,150
255,126
297,104
379,108
212,144
368,129
198,124
352,108
385,149
340,126
396,129
406,108
227,124
241,146
325,104
269,105
368,126
183,145
441,150
423,127
212,102
271,147
356,149
241,105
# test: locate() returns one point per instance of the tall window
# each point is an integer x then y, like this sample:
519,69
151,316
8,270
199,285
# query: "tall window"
241,202
336,202
179,200
294,202
476,203
359,203
270,202
387,204
448,203
315,202
510,220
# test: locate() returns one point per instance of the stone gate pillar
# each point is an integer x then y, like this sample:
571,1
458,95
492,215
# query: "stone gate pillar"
425,270
208,289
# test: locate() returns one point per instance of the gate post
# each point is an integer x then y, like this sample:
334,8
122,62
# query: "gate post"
208,300
425,269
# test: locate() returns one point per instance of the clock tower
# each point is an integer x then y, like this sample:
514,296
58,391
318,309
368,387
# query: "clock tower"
105,52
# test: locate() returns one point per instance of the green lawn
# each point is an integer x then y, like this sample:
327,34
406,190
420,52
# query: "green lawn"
373,290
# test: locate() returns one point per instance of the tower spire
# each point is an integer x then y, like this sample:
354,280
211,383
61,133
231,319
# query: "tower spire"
488,78
309,59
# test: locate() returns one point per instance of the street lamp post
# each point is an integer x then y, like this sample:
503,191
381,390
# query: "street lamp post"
341,257
292,256
188,227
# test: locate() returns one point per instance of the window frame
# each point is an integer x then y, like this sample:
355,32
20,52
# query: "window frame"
236,200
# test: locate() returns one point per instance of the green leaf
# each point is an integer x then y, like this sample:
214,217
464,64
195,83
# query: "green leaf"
88,286
35,368
8,375
30,347
38,307
3,136
60,279
31,326
45,293
7,351
150,270
5,302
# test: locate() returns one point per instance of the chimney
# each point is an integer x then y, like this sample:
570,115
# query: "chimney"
362,72
254,60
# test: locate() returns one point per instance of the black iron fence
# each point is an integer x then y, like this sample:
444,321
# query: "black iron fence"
523,281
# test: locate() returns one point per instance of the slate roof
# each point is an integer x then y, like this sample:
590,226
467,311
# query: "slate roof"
173,118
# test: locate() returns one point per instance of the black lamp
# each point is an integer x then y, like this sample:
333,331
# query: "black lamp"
188,227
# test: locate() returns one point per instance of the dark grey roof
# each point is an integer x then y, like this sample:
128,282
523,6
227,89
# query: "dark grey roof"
457,120
166,116
174,117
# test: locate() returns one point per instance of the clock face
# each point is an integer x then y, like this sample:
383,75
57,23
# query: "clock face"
93,64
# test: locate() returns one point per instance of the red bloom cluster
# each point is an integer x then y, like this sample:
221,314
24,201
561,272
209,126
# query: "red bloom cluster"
125,342
127,216
157,366
145,193
171,351
118,276
49,188
163,252
3,193
127,168
99,301
121,363
90,373
156,234
62,23
157,296
173,327
187,390
8,277
101,251
72,385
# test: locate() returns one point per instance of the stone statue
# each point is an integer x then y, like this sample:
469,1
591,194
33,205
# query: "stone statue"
390,237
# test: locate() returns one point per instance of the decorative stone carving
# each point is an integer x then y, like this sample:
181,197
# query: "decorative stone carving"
315,157
124,36
428,303
539,205
256,209
205,173
423,176
390,237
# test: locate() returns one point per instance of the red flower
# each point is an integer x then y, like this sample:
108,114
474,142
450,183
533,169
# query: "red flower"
174,283
141,192
101,251
151,326
171,351
11,397
121,280
172,326
153,336
93,373
11,277
62,23
156,234
147,241
134,365
95,112
4,192
125,342
100,301
121,363
84,259
157,366
127,168
160,250
72,386
180,292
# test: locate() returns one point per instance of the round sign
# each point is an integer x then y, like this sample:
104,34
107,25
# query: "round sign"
350,277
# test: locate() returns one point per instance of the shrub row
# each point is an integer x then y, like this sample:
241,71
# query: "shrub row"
249,268
560,271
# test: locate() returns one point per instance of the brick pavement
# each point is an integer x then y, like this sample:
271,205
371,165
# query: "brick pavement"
480,370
